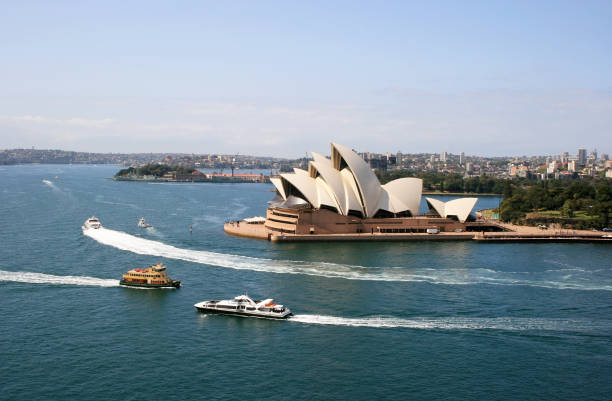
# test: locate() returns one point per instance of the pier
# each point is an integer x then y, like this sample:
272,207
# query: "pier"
515,233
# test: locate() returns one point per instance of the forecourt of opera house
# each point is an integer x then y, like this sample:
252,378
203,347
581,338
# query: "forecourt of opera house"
341,199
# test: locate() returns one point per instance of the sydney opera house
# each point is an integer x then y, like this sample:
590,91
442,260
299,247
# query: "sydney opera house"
341,198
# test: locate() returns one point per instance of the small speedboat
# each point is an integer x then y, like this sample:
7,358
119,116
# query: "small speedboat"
152,277
143,223
92,222
244,306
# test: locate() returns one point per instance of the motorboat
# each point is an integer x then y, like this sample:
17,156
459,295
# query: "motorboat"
245,306
143,223
154,276
92,222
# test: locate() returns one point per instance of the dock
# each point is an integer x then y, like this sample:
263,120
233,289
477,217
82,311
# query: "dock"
515,234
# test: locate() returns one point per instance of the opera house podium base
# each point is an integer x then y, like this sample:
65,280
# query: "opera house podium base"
260,232
287,225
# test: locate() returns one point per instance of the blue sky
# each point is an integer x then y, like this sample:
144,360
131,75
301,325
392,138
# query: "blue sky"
282,78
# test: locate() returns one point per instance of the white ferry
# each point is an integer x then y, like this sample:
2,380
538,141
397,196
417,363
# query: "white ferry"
143,223
243,305
92,222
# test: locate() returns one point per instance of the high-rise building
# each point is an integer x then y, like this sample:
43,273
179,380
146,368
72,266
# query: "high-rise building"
443,157
571,166
461,158
582,156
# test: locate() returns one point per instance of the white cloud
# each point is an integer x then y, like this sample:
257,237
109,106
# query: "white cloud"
486,122
74,122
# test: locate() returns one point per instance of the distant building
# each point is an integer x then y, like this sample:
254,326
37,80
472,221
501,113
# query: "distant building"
571,166
582,156
391,160
443,157
461,158
378,164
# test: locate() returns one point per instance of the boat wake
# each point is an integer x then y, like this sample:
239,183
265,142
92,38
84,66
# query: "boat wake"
41,278
52,185
457,323
454,276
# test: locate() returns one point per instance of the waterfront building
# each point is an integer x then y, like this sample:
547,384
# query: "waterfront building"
342,198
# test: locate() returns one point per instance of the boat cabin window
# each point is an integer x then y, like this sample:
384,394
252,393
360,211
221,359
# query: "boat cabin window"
226,306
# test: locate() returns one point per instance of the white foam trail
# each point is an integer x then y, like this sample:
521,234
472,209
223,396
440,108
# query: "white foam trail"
453,323
144,246
51,184
457,276
41,278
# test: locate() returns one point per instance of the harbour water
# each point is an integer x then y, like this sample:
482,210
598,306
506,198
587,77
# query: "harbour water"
415,320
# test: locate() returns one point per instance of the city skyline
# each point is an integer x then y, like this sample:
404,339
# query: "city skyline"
510,78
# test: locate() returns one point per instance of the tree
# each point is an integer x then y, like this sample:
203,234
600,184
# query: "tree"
603,203
568,210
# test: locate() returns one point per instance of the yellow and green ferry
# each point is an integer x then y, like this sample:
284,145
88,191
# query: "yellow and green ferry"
154,276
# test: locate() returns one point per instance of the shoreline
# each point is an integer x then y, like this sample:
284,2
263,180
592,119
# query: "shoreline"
516,234
460,194
197,181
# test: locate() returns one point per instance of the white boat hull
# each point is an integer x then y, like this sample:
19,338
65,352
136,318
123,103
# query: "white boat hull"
204,307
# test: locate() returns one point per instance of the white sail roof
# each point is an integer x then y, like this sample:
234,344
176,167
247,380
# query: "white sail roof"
278,184
351,192
408,191
304,184
345,199
461,207
325,194
367,183
347,184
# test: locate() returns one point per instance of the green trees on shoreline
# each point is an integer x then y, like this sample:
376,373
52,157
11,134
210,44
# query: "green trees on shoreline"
579,203
155,170
584,203
448,182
